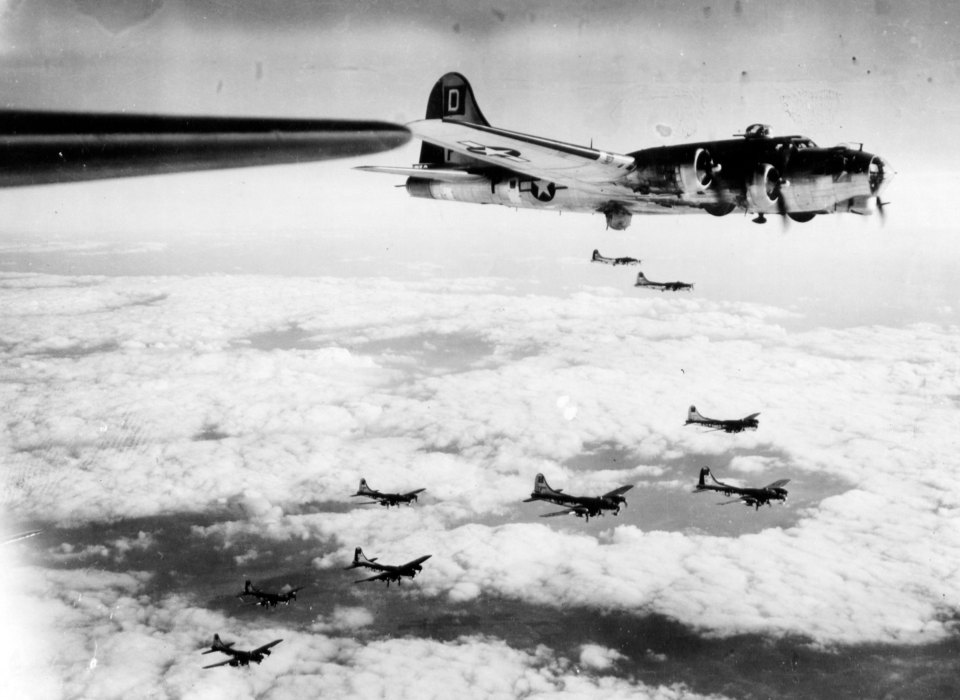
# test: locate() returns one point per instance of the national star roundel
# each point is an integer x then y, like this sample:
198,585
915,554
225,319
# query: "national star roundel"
493,151
544,191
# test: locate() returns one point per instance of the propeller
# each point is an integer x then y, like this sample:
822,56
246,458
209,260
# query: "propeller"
880,205
877,175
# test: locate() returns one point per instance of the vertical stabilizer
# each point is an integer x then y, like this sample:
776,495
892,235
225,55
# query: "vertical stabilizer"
693,416
451,98
540,485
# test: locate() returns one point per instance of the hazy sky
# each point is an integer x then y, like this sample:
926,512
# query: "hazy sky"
198,369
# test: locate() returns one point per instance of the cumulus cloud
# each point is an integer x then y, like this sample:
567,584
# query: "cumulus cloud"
598,657
344,618
115,642
268,399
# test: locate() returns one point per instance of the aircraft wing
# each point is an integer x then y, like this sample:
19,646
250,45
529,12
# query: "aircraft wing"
260,650
777,484
558,162
415,562
222,663
736,500
51,147
568,511
379,577
21,536
413,493
618,492
440,174
751,416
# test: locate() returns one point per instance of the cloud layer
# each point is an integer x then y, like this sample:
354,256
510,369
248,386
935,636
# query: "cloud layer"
267,399
113,641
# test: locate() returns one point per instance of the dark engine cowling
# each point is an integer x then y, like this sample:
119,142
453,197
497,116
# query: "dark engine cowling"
670,171
698,175
618,216
763,190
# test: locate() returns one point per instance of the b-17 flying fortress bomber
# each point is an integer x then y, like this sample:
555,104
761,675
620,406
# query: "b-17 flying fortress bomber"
748,496
582,506
237,656
385,499
388,572
465,159
263,599
728,426
613,261
642,281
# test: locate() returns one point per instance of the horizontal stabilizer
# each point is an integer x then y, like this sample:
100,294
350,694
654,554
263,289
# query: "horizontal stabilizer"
440,174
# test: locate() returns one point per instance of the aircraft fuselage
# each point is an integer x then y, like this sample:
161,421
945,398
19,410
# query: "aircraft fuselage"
756,175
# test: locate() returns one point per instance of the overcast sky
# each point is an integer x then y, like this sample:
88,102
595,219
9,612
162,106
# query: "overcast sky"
198,369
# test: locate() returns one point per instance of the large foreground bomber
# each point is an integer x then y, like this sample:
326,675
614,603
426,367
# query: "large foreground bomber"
464,159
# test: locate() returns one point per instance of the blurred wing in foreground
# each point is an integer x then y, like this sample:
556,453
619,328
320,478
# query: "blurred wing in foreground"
38,148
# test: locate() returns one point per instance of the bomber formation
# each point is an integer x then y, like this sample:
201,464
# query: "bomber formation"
464,158
585,507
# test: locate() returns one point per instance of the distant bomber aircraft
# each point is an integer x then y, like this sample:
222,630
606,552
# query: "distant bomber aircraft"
728,426
385,499
613,261
465,159
238,657
389,573
749,497
284,595
642,281
581,506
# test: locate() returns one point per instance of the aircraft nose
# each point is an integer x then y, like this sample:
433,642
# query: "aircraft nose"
880,174
878,169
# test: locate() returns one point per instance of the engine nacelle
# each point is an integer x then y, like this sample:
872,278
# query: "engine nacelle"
764,190
672,172
618,216
698,175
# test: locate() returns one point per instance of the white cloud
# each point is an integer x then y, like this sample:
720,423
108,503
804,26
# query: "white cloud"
861,421
598,657
344,618
112,641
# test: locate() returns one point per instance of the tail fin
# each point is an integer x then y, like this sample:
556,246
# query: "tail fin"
246,587
693,416
451,98
704,472
596,254
641,280
540,484
359,558
363,486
